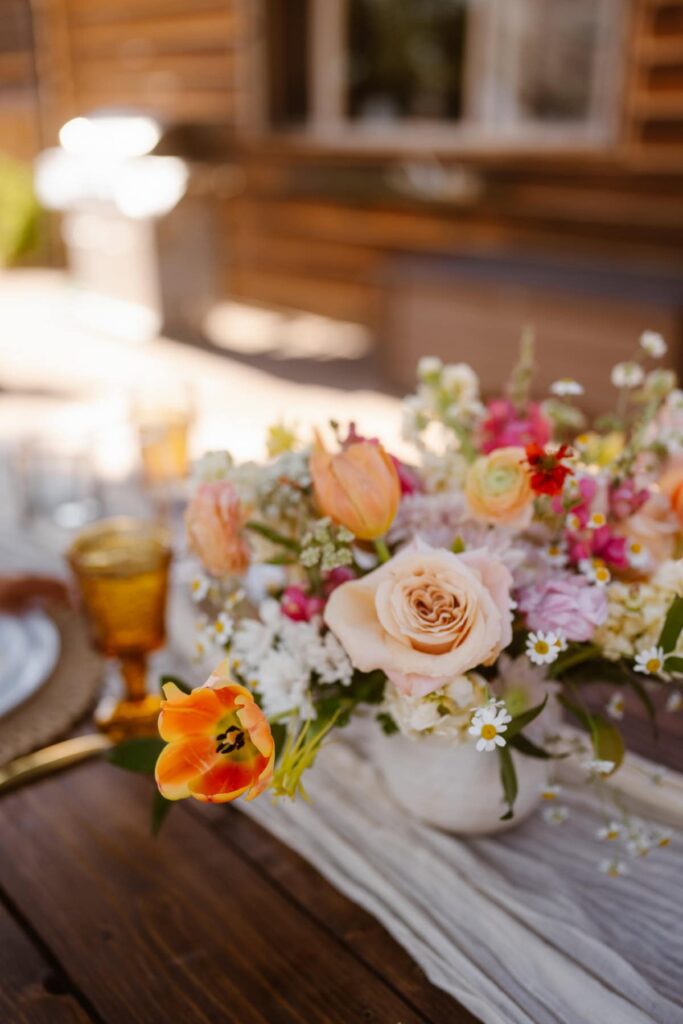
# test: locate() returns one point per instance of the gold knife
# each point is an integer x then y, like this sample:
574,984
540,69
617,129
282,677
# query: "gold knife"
52,759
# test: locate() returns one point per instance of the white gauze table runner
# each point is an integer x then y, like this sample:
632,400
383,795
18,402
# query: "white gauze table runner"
521,927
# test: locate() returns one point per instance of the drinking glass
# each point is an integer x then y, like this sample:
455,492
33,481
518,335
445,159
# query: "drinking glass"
163,418
122,566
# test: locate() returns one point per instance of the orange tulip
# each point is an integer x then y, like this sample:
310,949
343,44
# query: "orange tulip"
219,743
358,488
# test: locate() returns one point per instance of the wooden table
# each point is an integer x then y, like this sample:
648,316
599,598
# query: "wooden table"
214,922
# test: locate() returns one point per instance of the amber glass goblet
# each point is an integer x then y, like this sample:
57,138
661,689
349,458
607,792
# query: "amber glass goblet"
121,566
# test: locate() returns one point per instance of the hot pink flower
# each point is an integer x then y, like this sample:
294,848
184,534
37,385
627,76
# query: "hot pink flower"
296,604
504,427
336,577
567,603
626,498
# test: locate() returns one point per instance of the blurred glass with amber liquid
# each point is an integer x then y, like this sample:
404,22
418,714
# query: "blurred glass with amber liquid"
122,568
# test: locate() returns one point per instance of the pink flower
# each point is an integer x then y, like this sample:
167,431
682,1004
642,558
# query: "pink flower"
626,498
425,616
567,603
504,427
296,604
214,520
336,577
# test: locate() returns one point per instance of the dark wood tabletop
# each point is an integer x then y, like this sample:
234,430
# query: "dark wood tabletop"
214,921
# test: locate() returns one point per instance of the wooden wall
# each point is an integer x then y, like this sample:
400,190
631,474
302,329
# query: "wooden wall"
19,128
316,228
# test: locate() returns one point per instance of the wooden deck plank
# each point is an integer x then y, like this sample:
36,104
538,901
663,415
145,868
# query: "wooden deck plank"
180,928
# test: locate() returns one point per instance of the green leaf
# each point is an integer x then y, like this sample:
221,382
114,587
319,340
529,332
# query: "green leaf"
368,687
674,664
578,712
608,743
272,535
520,722
673,624
137,755
160,808
180,683
387,723
508,778
525,746
645,699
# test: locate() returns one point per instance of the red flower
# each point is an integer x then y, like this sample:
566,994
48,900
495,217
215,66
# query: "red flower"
548,470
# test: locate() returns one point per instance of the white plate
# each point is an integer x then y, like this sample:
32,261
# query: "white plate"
29,648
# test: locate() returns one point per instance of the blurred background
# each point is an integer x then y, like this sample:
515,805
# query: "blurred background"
218,213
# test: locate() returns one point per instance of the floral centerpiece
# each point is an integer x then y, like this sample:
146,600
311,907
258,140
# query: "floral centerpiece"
465,598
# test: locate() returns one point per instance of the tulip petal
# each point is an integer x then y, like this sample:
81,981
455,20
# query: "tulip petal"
179,764
227,779
188,714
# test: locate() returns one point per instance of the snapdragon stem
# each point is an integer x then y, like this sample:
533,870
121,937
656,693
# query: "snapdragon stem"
382,550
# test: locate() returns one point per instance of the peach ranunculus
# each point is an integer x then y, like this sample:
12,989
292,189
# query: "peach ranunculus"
655,527
214,520
425,617
498,488
358,488
671,484
219,743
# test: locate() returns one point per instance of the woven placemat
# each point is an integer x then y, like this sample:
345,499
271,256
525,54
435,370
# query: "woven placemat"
69,693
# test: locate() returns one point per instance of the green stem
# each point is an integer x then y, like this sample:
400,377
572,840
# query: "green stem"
561,665
382,550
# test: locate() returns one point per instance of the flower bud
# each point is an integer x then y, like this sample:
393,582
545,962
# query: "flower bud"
358,488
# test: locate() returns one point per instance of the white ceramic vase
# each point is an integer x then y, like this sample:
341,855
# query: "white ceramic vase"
454,786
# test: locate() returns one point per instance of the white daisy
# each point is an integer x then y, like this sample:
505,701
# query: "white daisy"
611,832
650,661
199,587
599,766
615,706
555,815
542,648
566,386
660,837
555,555
674,701
488,723
653,344
429,367
638,847
596,571
613,867
560,640
220,631
627,375
550,791
596,520
638,556
573,522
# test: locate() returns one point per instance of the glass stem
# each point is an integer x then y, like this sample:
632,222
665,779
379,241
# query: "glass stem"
134,672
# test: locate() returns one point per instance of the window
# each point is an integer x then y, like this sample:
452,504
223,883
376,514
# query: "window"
439,70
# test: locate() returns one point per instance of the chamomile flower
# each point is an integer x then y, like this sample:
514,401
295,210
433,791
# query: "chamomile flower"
555,815
566,387
596,571
653,344
560,640
650,662
596,520
613,867
199,587
615,706
550,791
220,631
610,832
573,523
660,837
555,555
627,375
638,556
674,701
488,723
639,846
599,766
542,648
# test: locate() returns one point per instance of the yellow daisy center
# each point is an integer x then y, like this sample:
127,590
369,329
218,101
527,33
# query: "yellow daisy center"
653,665
664,841
602,575
541,647
488,731
612,834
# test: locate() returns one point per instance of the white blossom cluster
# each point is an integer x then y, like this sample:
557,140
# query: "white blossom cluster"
445,394
281,658
636,612
446,712
326,545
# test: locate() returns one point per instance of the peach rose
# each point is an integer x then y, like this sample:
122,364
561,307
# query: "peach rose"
424,617
654,526
671,484
214,520
498,489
